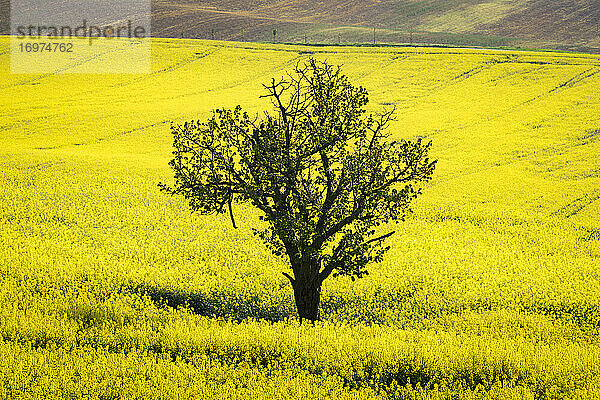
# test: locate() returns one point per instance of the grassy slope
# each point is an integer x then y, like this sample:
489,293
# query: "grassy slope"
553,24
525,23
490,290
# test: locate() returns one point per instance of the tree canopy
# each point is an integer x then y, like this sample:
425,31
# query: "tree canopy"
324,174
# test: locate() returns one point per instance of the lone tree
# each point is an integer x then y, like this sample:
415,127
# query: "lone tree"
321,171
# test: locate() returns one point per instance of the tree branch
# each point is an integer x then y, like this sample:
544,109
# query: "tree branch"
382,237
231,212
292,280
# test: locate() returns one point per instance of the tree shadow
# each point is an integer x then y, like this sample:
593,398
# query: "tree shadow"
219,304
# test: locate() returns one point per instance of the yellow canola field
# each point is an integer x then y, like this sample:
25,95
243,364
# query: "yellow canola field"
112,289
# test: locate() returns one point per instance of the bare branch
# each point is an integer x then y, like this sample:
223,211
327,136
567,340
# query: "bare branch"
231,212
292,280
382,237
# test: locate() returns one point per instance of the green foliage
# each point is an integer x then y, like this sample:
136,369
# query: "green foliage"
323,175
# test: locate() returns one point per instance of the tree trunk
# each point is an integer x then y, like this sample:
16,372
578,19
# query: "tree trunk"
307,293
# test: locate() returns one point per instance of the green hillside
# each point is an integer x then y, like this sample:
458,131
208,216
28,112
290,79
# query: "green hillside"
545,24
554,24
